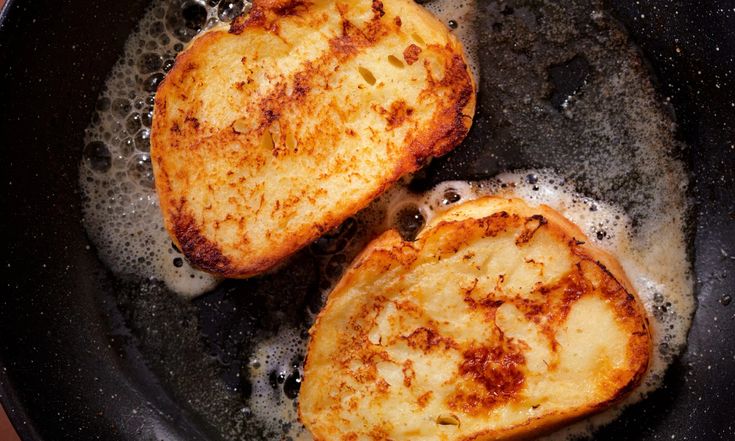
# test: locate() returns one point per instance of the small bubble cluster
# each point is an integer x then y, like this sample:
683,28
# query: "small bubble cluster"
121,211
275,370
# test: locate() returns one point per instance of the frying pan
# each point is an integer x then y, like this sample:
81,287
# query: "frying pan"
72,366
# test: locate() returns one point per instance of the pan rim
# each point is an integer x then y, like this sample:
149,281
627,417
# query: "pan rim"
15,411
4,8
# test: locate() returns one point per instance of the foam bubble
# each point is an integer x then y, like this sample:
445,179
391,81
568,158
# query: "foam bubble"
275,372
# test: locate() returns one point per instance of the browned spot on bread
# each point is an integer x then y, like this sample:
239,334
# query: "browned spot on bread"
427,340
266,13
378,10
451,125
349,42
354,39
498,222
397,114
411,53
379,434
302,83
193,121
423,399
382,386
529,229
198,249
497,369
408,373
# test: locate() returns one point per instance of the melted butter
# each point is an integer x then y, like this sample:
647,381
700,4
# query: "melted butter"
121,211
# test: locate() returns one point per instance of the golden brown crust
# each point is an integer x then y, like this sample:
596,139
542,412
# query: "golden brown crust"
265,135
374,302
411,54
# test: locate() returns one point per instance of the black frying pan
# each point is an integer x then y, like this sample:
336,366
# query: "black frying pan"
73,364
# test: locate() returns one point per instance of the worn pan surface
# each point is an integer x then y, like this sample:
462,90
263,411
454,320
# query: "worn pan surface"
72,366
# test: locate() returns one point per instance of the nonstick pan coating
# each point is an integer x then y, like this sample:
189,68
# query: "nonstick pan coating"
63,377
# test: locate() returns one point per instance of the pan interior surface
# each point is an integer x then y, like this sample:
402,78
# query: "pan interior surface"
561,88
581,106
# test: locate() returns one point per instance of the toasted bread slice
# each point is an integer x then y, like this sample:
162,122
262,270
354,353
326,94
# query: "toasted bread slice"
272,132
498,322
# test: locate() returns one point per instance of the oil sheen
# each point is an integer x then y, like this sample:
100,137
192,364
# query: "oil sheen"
602,153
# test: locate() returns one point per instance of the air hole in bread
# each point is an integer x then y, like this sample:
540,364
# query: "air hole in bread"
417,38
367,75
447,419
290,141
240,125
392,59
266,142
